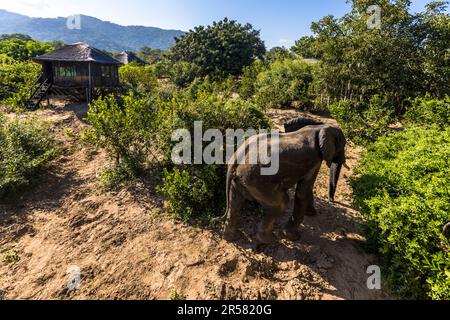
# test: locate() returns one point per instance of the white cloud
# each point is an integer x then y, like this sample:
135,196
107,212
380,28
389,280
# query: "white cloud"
40,8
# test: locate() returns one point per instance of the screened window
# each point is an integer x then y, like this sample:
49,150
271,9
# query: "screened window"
65,71
107,72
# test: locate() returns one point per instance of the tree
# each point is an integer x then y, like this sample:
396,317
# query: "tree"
435,29
150,55
224,48
57,44
305,47
278,53
16,78
13,36
284,82
23,50
407,56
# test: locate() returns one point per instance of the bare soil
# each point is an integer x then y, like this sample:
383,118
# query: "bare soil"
128,248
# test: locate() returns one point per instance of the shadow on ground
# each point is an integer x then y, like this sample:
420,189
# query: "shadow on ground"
331,245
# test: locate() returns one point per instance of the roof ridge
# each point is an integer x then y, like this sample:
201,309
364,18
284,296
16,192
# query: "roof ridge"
78,52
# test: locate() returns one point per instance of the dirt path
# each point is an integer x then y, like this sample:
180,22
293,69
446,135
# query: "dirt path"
126,250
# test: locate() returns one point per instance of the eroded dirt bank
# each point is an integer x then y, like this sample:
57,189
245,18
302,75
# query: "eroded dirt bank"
127,249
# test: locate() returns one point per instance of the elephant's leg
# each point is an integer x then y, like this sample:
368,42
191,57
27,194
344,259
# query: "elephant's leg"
275,210
310,210
234,207
304,205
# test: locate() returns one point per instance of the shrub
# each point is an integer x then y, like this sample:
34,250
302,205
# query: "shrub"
140,80
116,174
197,192
194,192
364,122
24,50
427,110
286,81
247,83
26,147
225,87
214,110
162,69
183,73
403,189
123,128
16,79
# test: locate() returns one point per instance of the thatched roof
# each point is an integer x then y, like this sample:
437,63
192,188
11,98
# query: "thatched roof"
78,52
128,57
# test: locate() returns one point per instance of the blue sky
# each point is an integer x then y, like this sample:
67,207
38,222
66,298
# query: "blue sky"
281,21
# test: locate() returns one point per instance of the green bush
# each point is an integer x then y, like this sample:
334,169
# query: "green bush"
16,79
117,173
403,189
427,110
24,50
364,122
123,128
182,73
213,109
140,80
194,192
163,69
283,83
26,147
197,192
247,82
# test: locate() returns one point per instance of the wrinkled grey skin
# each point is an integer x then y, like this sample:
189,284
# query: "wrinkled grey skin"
299,123
301,154
335,170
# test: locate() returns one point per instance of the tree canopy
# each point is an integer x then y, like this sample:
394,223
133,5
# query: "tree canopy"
23,50
225,47
407,56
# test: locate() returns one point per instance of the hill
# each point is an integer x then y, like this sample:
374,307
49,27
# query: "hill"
101,34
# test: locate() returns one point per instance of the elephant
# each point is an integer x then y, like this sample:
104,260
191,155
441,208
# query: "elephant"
301,154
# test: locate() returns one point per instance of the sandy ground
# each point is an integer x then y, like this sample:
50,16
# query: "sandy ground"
126,248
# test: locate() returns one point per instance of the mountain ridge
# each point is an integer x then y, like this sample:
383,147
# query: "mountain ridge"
101,34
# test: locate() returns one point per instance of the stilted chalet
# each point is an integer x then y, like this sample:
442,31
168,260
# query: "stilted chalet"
76,70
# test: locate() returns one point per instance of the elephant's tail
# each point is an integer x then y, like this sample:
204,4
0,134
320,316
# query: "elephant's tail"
230,174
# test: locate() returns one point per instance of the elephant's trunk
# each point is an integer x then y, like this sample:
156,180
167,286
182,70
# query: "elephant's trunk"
335,172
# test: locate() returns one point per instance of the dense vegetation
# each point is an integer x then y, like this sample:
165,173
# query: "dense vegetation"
26,147
403,188
17,72
387,87
285,81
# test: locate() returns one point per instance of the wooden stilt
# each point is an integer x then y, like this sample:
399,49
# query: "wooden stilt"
89,95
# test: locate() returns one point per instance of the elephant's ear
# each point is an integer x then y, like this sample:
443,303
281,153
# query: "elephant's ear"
327,143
